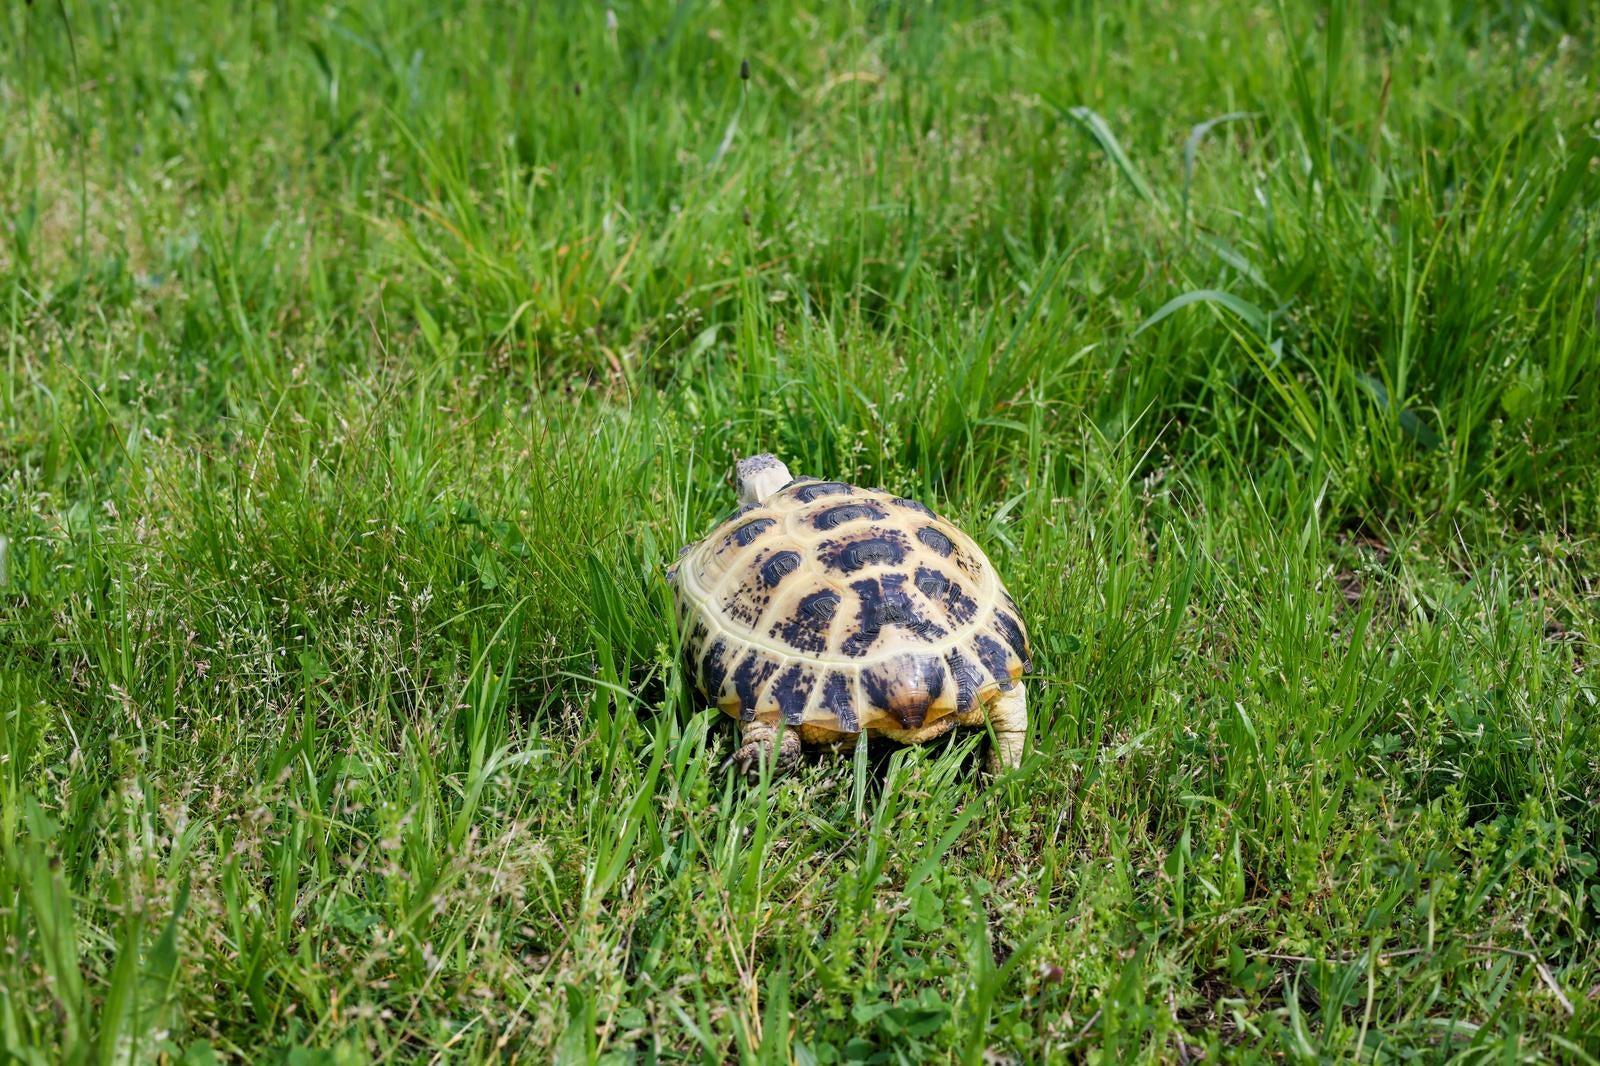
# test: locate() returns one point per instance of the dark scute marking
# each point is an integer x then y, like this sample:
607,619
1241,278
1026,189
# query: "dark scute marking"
885,602
791,690
895,610
744,607
945,594
807,628
995,658
807,493
900,610
931,583
837,701
867,552
857,643
714,668
779,567
958,605
821,605
967,678
748,678
751,530
883,547
932,677
869,595
905,687
879,688
1011,629
834,517
913,505
935,540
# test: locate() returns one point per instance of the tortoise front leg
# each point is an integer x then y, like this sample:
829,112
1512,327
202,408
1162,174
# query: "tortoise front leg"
760,743
1008,716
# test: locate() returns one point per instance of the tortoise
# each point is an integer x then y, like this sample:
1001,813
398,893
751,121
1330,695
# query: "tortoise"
832,610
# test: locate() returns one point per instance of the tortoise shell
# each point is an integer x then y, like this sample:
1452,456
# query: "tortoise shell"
842,610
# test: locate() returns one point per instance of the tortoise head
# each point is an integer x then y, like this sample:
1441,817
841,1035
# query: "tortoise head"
759,477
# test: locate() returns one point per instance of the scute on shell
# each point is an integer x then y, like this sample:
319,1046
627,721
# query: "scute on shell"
846,609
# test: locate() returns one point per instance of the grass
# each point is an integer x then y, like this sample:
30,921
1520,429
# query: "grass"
365,362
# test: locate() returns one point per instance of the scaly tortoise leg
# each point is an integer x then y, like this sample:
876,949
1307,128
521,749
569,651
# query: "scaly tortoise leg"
760,742
1008,716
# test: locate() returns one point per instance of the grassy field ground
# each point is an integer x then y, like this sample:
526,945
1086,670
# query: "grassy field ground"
364,363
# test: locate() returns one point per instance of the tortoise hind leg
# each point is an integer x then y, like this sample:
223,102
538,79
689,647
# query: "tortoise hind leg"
1008,716
760,744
